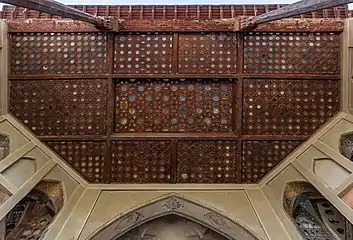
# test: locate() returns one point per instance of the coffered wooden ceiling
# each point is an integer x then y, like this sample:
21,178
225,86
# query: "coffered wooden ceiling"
174,106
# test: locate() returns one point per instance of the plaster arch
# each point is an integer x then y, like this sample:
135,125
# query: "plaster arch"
173,205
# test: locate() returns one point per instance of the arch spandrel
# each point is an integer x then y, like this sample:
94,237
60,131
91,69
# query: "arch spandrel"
173,205
171,227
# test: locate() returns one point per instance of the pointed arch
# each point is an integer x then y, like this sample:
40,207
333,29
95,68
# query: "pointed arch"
20,171
330,172
171,227
173,205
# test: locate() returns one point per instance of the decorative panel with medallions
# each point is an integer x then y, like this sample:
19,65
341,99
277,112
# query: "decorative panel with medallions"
60,107
143,53
58,53
208,53
260,157
206,162
85,157
314,53
141,161
174,107
288,107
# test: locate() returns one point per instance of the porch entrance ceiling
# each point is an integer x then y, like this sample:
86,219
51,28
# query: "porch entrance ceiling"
170,99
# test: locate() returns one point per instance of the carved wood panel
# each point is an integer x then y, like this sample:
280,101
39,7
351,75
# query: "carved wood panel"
141,161
206,162
85,157
115,104
58,53
174,105
208,53
60,107
143,53
288,107
260,157
315,53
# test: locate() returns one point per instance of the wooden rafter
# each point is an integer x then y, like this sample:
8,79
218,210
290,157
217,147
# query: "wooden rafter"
59,9
291,10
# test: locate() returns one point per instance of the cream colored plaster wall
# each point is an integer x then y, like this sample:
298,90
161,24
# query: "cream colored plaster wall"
271,222
22,168
4,56
79,215
60,220
285,220
39,156
20,171
278,184
346,67
332,137
274,192
233,204
310,159
304,165
17,139
301,167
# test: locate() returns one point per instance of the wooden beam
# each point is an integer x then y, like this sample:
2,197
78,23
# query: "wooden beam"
59,9
285,25
291,10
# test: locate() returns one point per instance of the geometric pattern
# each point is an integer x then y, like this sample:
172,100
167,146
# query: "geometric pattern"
174,107
292,53
260,157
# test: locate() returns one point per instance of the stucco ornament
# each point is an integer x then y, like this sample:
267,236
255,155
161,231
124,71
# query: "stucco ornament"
171,227
172,217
